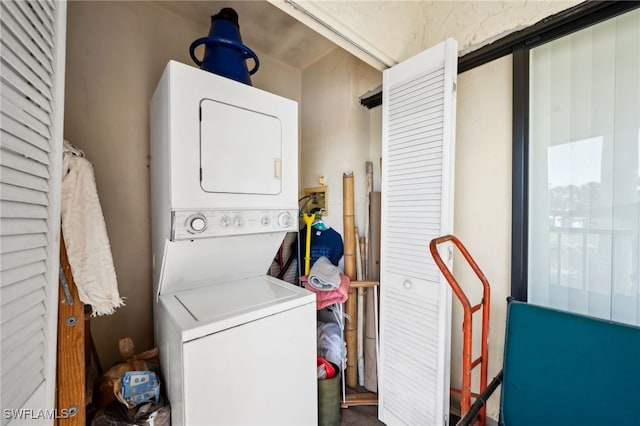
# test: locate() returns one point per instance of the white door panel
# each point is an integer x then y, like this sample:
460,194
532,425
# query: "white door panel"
31,119
228,138
417,206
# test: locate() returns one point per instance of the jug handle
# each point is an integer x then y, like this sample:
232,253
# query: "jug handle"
210,41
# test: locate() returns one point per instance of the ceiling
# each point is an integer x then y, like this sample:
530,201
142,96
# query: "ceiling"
263,28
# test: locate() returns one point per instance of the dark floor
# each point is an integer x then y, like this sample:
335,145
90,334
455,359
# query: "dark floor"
362,415
366,415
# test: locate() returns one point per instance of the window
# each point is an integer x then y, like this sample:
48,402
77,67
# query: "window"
577,173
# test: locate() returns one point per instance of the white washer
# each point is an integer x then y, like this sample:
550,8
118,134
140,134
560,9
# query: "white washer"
234,353
236,346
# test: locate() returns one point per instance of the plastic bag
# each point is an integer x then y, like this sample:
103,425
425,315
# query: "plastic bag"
147,414
129,393
108,385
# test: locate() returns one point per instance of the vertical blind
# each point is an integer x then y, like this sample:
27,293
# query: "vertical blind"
584,190
30,126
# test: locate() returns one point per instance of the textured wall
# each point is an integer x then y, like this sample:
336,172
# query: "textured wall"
396,30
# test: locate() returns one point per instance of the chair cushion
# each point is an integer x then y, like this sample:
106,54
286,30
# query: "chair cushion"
567,369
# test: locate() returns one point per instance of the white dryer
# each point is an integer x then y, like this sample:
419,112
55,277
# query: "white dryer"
236,346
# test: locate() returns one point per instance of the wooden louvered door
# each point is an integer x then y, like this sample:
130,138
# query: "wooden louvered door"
417,206
31,95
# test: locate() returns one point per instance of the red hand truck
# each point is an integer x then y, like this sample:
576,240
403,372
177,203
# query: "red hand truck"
482,360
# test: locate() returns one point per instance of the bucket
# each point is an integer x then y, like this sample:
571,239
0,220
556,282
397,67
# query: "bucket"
329,400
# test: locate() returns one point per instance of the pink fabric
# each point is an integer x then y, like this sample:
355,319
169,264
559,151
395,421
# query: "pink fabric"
325,298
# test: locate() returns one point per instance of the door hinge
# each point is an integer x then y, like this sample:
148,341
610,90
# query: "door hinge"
454,87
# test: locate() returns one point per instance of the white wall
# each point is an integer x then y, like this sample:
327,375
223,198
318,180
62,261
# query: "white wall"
336,129
116,52
483,207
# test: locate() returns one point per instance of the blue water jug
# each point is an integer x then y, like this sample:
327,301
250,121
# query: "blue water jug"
224,52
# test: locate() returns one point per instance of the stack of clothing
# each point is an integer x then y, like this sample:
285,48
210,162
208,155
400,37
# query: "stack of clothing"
326,280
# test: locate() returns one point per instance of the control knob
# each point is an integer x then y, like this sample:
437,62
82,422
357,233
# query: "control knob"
238,222
284,219
196,223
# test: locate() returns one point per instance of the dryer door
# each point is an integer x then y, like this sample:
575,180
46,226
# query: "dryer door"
240,150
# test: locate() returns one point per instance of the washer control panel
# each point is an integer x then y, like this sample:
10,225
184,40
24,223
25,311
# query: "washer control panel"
189,224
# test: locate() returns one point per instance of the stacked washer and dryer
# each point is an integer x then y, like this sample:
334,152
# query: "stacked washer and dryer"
236,346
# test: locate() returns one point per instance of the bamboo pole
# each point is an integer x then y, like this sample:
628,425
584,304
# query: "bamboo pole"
365,257
359,259
351,326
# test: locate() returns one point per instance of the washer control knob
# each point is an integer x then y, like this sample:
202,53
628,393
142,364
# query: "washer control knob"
284,219
265,220
224,221
238,222
196,223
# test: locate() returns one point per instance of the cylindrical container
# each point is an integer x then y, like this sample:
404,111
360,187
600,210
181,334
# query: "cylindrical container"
225,54
329,400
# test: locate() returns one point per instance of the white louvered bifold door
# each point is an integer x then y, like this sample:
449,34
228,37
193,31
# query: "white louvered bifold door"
417,206
31,95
